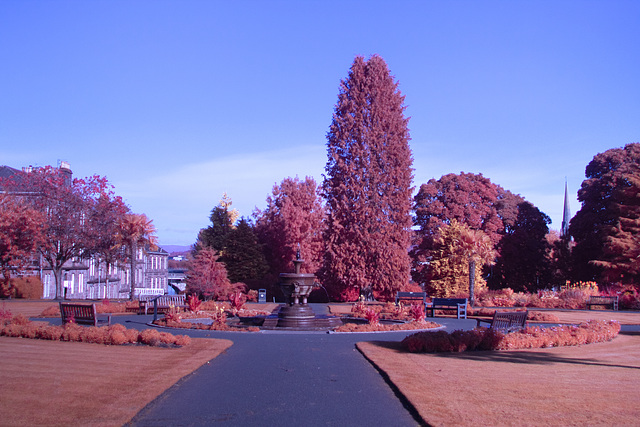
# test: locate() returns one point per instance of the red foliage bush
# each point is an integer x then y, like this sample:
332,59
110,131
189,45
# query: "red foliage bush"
71,332
354,327
211,305
149,337
372,316
19,319
237,300
417,312
358,308
117,338
5,315
194,303
541,316
182,340
49,332
457,341
29,287
173,314
534,337
51,311
629,298
252,295
112,335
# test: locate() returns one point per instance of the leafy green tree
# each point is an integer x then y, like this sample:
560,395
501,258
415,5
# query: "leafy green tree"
223,220
603,228
620,258
559,256
106,219
367,186
243,256
136,231
468,198
67,205
455,261
21,232
523,264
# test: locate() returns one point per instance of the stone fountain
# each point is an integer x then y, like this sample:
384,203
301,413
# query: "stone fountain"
296,312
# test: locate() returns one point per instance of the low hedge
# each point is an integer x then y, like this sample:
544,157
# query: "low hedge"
20,326
531,337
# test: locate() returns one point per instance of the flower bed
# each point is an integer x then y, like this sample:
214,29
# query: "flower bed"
20,326
532,337
214,326
381,327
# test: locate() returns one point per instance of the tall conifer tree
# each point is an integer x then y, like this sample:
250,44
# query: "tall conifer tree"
368,185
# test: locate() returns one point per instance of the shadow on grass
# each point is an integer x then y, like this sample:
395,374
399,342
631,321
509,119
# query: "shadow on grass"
513,356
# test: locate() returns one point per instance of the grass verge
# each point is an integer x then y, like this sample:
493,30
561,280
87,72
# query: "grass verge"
65,383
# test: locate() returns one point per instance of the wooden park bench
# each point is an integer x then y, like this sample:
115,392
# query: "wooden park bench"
506,321
412,296
164,303
84,314
458,304
603,301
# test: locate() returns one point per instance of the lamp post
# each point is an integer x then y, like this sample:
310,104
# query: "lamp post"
99,274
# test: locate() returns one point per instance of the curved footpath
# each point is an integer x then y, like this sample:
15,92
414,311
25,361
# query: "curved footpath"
285,379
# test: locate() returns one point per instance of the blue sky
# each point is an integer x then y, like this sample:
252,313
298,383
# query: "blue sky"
176,102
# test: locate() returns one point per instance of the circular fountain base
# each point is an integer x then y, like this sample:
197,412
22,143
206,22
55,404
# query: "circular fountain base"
300,317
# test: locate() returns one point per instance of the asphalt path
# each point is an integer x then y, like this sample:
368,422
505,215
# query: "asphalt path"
284,379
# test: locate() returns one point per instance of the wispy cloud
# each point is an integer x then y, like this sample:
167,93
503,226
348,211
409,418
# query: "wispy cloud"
179,201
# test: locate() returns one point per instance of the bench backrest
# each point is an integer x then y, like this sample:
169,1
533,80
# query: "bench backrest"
167,300
509,320
604,299
448,302
412,295
79,312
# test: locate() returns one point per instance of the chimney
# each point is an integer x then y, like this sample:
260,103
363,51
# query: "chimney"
65,169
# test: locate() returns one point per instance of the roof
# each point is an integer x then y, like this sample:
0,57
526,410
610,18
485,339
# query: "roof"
6,172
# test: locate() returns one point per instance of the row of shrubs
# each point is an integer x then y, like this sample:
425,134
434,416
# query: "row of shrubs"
20,326
570,296
531,337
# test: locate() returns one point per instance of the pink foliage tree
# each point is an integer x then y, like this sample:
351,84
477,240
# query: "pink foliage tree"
292,220
368,186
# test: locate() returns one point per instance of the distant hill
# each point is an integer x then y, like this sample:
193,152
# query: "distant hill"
176,248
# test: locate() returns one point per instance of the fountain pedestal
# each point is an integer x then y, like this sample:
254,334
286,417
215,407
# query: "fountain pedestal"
296,312
296,288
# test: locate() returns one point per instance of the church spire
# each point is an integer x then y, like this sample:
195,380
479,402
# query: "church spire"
566,214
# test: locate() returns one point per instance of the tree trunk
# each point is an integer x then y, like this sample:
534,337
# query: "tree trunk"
134,261
57,273
472,281
6,286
